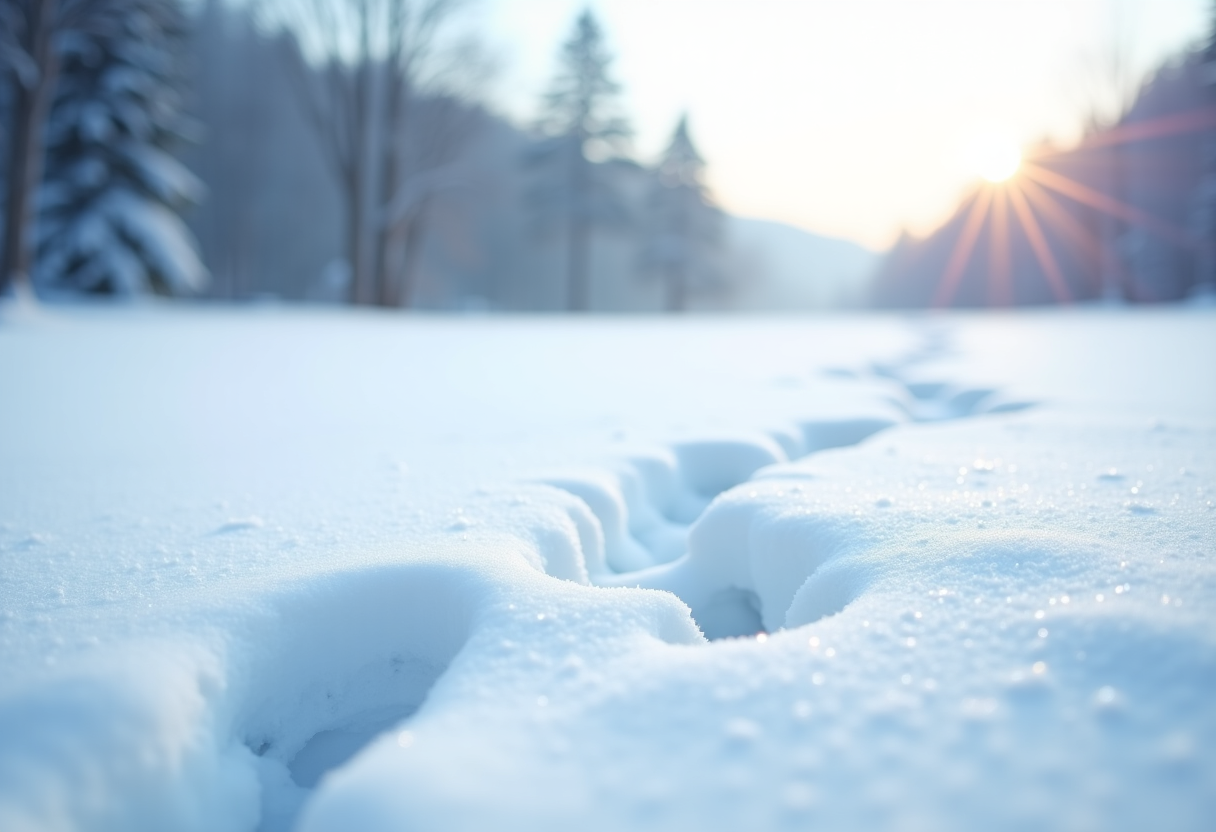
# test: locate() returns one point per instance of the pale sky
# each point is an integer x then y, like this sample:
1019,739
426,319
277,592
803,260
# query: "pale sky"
854,118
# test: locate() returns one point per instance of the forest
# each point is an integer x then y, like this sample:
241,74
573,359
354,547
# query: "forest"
348,153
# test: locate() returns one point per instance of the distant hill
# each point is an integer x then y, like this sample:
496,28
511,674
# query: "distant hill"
788,268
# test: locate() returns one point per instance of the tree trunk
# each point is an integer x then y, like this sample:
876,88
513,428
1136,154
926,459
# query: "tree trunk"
357,181
578,289
1114,284
1205,257
413,256
26,152
389,173
393,90
676,291
677,272
354,234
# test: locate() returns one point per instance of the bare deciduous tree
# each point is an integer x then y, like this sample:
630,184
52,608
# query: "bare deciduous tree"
378,59
427,165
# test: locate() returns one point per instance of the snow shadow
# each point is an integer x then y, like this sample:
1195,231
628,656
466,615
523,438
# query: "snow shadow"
681,520
338,662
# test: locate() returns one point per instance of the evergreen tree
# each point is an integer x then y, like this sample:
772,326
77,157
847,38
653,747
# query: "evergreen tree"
1204,212
580,119
29,63
1209,52
685,227
110,200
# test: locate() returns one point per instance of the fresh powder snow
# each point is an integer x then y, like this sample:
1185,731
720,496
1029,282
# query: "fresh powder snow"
272,569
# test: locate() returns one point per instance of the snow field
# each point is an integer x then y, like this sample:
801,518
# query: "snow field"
997,618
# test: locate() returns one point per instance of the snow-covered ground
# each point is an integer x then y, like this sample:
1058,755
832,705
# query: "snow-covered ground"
270,569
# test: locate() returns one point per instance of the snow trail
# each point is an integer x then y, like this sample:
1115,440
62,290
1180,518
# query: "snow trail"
668,522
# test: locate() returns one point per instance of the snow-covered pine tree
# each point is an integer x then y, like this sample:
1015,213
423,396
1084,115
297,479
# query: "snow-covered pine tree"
683,233
1204,213
110,199
579,117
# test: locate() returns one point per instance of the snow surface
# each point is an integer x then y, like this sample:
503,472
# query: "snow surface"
268,569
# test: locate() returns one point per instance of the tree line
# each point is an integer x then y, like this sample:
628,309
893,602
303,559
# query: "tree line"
331,150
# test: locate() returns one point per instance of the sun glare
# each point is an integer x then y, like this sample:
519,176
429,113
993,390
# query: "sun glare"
995,158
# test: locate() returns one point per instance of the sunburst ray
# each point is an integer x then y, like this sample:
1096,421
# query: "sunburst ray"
1038,244
962,249
1108,204
1176,124
1000,288
1083,238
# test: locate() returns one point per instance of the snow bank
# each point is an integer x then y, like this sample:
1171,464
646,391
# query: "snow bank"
128,741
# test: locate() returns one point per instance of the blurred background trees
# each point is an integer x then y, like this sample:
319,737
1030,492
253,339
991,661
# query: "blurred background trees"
370,77
683,229
579,118
113,190
94,110
1203,215
30,32
343,151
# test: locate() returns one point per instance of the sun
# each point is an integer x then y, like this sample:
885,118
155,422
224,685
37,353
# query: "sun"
995,157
